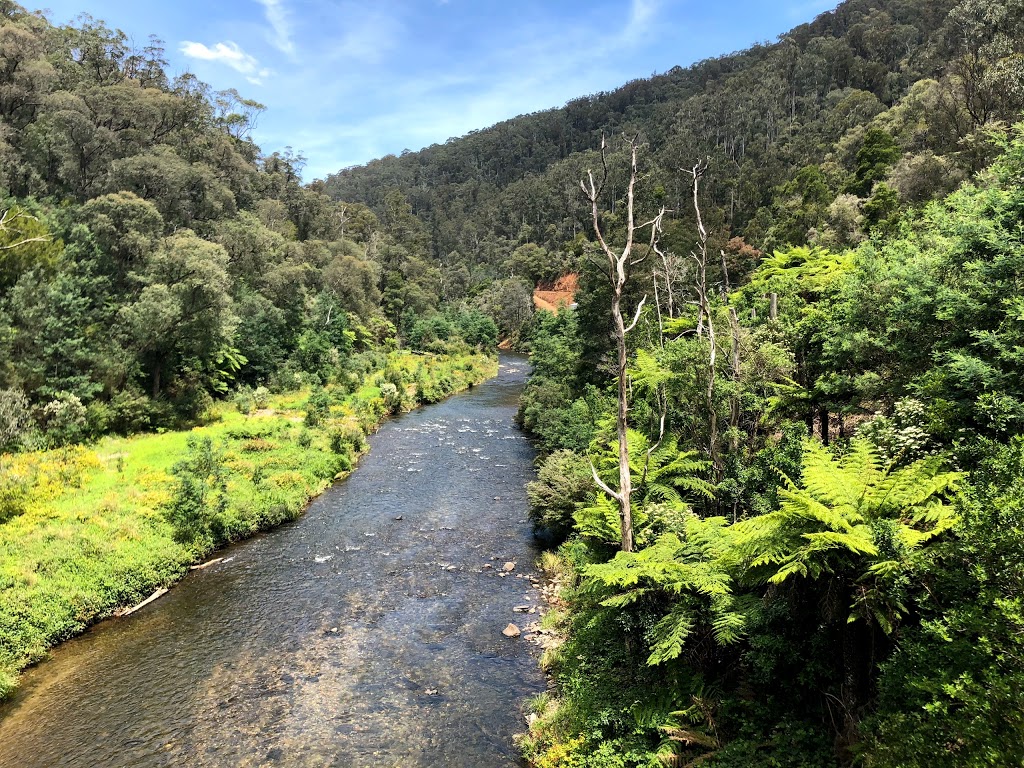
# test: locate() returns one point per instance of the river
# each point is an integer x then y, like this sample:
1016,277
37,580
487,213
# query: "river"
367,633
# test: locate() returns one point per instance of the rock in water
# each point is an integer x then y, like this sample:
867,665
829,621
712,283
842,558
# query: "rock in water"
509,567
511,631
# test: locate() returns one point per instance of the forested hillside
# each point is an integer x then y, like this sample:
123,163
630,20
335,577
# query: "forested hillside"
796,132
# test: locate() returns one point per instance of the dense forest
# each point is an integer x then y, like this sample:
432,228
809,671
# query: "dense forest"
796,134
151,257
781,471
788,494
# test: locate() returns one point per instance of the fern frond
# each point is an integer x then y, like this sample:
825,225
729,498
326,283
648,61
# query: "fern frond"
729,627
626,598
670,635
858,542
792,568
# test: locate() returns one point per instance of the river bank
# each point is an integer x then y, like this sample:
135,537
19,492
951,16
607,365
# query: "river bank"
368,632
96,528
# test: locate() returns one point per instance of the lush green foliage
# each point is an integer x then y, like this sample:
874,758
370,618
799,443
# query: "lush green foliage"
951,693
849,591
152,257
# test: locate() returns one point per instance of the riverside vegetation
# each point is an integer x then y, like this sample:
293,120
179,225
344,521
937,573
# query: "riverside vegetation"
833,575
788,501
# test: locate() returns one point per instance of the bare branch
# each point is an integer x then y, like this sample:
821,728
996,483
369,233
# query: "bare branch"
6,219
636,318
602,484
619,267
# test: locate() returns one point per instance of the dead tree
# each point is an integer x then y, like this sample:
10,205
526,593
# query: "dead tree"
620,264
705,317
7,219
669,266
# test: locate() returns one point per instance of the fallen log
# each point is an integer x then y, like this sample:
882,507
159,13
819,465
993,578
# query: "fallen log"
129,611
207,564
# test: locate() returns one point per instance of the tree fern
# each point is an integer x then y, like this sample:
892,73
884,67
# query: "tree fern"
694,571
661,474
852,518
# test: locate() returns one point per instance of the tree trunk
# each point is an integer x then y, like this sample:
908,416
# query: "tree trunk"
734,398
619,267
621,424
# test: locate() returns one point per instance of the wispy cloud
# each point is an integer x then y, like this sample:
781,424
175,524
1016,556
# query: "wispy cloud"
229,53
363,33
641,14
280,23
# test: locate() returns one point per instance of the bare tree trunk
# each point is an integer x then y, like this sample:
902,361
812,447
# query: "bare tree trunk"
621,426
657,305
713,451
619,267
668,283
704,316
725,277
734,399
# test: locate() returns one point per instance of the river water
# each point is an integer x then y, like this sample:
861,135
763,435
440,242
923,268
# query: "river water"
347,638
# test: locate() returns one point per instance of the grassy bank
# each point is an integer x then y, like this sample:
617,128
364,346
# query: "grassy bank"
90,529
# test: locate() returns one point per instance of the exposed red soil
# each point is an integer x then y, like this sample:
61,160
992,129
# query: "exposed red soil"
554,296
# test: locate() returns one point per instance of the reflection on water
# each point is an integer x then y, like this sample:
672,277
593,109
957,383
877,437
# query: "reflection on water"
368,633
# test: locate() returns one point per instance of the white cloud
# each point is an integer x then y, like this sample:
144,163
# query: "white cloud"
229,53
277,17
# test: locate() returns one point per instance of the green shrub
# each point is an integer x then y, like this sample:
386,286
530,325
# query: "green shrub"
63,420
15,419
130,412
188,398
318,409
14,491
392,397
563,482
98,417
261,396
244,400
347,441
198,505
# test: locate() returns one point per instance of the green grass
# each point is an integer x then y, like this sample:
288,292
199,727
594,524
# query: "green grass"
94,534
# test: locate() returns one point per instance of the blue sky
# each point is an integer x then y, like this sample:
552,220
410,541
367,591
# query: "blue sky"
345,82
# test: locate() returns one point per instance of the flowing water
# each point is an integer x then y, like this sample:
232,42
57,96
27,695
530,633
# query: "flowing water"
367,633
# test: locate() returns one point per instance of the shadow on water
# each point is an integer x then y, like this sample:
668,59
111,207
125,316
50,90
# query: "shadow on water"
347,638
